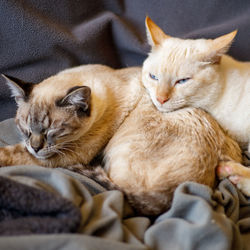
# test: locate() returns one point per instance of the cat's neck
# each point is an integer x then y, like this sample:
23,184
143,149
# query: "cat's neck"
230,102
231,77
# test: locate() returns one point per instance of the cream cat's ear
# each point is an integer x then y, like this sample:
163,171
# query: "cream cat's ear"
19,89
155,34
78,99
220,46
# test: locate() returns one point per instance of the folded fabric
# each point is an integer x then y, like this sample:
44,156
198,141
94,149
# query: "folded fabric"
200,218
28,210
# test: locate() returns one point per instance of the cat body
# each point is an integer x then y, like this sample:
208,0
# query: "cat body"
153,152
185,72
182,73
68,118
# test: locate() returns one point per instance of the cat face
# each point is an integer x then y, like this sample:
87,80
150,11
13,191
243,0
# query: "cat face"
173,76
178,72
50,126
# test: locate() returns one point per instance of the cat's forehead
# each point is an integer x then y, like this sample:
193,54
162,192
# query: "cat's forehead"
176,56
38,115
180,50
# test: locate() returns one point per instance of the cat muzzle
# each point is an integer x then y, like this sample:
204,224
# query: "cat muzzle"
161,99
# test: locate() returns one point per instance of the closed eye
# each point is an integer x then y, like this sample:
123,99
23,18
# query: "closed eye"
153,77
57,133
54,132
181,81
62,135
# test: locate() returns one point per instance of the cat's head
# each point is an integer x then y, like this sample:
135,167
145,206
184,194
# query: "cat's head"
180,72
50,118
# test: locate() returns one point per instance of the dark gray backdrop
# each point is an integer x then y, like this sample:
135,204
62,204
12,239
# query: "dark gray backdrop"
38,38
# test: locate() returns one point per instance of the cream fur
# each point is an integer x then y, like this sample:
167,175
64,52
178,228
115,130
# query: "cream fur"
218,83
153,152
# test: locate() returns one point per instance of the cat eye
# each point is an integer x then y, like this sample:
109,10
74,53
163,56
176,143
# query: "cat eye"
56,133
153,77
181,81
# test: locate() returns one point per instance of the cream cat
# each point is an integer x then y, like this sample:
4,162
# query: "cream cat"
180,73
68,118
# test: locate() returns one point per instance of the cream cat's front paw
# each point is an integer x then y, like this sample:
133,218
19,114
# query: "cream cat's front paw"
224,170
237,174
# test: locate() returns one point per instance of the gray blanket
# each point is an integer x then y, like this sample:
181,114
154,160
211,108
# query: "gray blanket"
199,218
29,210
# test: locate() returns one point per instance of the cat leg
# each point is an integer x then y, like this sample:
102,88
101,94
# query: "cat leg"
16,155
237,174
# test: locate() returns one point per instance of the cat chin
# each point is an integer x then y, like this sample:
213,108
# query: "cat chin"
164,109
44,157
39,157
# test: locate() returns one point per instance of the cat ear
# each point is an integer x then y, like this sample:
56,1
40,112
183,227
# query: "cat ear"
220,46
19,89
78,98
155,34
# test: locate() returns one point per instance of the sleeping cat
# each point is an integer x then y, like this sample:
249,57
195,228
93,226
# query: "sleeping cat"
68,118
181,72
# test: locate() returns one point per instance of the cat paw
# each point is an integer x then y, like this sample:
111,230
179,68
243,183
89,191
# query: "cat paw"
224,171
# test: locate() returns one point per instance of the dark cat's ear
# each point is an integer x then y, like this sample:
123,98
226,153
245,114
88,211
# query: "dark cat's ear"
155,34
19,89
77,98
219,46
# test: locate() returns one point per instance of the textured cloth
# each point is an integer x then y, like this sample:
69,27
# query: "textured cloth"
29,210
38,38
199,218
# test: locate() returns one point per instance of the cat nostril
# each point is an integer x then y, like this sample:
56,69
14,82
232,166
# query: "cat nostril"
162,100
36,149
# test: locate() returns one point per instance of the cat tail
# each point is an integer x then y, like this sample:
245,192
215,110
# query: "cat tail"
96,173
149,203
144,203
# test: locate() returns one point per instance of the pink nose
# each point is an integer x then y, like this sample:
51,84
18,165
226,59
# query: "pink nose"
161,99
